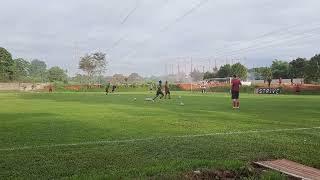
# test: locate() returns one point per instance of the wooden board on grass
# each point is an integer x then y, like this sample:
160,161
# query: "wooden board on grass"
292,169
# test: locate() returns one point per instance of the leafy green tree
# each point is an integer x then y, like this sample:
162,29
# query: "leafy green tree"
21,69
6,65
256,72
38,70
239,70
57,74
298,68
313,69
266,73
208,75
79,78
100,62
93,64
280,69
87,65
225,71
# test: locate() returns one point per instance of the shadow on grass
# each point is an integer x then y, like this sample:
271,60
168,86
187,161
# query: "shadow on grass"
255,110
24,129
23,116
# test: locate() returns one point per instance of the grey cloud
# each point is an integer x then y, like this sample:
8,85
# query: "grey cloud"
59,32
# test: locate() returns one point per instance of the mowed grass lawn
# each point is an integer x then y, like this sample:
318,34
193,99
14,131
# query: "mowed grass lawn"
90,135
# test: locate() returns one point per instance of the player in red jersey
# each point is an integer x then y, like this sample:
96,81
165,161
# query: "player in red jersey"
235,88
167,90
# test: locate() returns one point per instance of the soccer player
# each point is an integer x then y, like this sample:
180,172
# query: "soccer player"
107,88
167,90
159,91
269,82
50,88
113,88
280,81
235,88
203,88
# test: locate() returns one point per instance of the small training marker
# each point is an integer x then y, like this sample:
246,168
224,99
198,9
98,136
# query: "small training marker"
292,169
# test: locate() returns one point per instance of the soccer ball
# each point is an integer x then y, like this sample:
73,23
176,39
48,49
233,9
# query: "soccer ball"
134,99
181,104
179,97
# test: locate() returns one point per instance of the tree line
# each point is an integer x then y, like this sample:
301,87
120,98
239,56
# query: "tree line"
95,64
21,70
228,70
309,70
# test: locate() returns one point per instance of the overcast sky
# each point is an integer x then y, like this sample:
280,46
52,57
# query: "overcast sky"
144,35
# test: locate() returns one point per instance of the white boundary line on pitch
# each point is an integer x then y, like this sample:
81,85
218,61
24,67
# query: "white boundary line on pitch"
153,138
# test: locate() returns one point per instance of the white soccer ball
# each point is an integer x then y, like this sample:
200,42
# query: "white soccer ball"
134,99
179,97
181,104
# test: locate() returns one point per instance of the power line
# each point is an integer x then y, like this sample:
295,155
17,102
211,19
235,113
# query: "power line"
122,22
261,37
124,37
281,30
292,41
130,13
175,21
268,43
180,18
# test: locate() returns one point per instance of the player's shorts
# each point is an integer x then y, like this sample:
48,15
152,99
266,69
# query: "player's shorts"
234,94
160,93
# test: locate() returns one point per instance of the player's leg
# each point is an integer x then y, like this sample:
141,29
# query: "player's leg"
234,100
162,95
157,95
238,101
169,94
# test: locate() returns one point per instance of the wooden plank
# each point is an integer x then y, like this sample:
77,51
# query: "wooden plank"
292,169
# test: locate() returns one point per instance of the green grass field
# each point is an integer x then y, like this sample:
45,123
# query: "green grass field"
90,135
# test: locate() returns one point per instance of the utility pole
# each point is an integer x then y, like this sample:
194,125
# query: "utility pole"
172,69
254,75
185,66
191,77
166,69
191,65
215,64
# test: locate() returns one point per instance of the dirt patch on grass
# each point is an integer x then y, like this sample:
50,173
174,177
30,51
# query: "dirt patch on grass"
247,172
221,174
